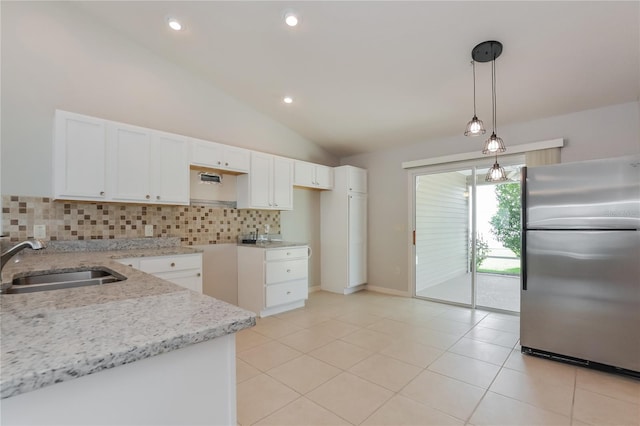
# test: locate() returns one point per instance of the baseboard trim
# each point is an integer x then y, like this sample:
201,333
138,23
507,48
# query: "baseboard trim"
388,291
314,288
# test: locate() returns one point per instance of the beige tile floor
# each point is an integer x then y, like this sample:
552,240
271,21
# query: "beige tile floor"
374,359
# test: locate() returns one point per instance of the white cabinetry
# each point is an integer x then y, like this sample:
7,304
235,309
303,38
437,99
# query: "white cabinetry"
343,223
101,160
79,149
217,156
273,280
312,175
184,270
147,166
269,184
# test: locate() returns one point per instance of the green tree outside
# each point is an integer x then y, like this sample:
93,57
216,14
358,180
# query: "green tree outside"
505,223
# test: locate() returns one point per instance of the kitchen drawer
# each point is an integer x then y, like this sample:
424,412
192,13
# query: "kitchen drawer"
191,279
287,271
280,294
288,253
133,262
171,263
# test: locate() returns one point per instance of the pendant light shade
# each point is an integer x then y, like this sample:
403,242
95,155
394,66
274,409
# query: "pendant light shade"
475,127
493,145
496,173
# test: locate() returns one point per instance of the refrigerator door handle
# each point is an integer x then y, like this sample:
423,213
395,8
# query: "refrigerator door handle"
523,232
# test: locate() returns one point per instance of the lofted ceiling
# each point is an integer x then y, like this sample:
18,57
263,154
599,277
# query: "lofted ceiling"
370,75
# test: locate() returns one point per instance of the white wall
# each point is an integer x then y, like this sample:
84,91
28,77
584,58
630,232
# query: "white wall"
605,132
55,56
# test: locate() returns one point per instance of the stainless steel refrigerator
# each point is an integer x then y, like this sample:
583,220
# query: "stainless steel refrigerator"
580,296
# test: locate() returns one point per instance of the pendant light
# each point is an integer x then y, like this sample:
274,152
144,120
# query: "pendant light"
475,127
494,144
496,173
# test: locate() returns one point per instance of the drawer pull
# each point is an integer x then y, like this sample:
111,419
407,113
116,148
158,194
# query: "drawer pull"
173,264
288,270
288,292
288,253
130,265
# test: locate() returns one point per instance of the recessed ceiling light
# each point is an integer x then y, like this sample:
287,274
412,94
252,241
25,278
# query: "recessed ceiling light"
291,19
174,24
287,99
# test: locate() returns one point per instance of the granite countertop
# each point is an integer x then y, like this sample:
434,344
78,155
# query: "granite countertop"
53,336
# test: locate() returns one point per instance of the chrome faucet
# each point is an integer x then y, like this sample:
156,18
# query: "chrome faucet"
32,244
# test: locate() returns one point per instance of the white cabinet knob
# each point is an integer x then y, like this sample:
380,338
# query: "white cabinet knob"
219,162
173,264
226,164
288,292
157,197
198,274
288,270
147,196
102,193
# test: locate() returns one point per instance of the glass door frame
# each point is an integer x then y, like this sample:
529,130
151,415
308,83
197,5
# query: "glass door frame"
473,165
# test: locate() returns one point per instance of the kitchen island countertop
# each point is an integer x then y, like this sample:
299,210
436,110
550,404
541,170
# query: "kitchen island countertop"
53,336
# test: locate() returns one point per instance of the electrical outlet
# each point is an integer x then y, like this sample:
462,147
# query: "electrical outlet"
148,230
40,231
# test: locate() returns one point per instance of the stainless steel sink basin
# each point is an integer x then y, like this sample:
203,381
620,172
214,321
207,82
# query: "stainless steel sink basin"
59,280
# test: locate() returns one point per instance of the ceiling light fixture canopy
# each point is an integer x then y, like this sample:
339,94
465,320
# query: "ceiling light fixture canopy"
287,100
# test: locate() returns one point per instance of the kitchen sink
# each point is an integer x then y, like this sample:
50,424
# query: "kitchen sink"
63,279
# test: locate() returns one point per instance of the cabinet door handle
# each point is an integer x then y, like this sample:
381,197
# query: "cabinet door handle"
198,274
157,197
288,292
173,264
130,265
102,193
148,196
226,164
288,270
288,253
219,162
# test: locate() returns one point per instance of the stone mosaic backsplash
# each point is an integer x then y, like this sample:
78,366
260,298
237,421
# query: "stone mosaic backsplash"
78,220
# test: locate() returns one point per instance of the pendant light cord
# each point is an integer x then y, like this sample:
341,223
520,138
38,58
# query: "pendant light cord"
493,91
473,65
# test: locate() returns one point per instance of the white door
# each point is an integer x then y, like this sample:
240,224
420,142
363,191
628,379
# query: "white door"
357,239
282,183
170,169
357,179
260,181
324,176
303,173
130,162
79,157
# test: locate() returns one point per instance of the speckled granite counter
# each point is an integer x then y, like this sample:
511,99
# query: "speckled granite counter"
53,336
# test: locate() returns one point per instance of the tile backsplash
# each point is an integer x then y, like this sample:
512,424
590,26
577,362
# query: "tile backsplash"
78,220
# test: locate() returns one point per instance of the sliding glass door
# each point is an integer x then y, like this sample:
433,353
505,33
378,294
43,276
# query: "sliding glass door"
466,236
442,235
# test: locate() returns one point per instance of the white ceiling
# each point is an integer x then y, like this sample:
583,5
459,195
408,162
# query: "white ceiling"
368,75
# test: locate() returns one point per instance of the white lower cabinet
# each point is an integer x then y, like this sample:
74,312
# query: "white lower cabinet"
272,280
184,270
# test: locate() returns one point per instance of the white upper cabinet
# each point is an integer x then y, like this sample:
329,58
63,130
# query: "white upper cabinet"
129,162
357,179
312,175
170,169
269,184
79,149
217,156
